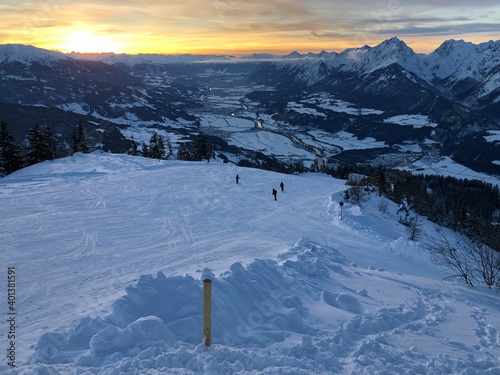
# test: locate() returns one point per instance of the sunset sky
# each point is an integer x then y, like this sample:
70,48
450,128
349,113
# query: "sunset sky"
238,26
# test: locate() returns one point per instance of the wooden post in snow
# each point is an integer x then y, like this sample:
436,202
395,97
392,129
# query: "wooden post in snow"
207,313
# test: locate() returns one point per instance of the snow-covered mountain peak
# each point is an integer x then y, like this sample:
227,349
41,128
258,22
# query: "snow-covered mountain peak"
27,54
459,60
394,43
294,55
391,51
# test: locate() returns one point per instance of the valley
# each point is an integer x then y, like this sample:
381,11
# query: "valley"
382,105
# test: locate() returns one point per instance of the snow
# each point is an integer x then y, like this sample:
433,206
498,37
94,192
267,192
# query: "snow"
271,143
328,102
463,59
28,54
417,121
227,123
388,52
8,77
111,251
75,108
348,141
445,166
493,137
299,107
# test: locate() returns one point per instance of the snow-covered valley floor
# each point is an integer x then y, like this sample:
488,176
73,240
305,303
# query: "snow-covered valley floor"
110,253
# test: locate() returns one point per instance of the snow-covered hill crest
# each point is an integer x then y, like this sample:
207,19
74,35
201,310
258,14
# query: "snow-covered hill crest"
28,54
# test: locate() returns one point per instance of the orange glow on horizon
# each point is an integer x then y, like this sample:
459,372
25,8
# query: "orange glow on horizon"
86,41
84,38
240,27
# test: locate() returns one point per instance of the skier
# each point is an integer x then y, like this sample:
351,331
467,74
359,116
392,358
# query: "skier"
275,192
282,186
237,179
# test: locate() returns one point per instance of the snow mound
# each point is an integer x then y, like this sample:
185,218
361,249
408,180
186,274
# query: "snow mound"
342,301
258,305
271,317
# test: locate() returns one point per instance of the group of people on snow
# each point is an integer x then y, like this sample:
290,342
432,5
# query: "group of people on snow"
275,192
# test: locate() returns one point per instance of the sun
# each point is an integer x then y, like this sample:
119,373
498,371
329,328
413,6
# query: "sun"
85,41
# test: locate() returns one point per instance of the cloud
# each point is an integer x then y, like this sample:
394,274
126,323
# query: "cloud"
270,24
446,30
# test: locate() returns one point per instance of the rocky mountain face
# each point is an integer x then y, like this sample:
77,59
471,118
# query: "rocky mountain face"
457,86
456,89
457,70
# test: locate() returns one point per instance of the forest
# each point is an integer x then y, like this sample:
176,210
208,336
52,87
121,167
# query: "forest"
470,207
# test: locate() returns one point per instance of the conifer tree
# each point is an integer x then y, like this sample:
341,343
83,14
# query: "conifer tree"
74,142
169,146
51,144
41,145
35,145
11,153
185,152
2,168
79,142
162,153
156,147
133,149
145,150
83,145
199,149
202,148
414,229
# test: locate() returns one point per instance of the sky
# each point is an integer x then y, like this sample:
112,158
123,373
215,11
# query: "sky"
238,27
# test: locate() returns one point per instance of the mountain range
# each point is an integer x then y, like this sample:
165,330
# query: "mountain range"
377,105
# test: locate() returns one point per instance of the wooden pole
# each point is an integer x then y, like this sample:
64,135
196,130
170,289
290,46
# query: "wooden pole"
207,313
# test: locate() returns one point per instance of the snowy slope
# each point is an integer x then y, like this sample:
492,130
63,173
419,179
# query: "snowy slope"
110,252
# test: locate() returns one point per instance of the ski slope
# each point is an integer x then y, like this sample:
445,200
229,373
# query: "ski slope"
110,253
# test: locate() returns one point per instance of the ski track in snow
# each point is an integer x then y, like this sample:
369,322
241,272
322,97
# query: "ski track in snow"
110,253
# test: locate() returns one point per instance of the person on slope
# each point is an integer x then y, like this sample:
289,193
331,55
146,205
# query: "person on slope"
282,186
275,193
237,179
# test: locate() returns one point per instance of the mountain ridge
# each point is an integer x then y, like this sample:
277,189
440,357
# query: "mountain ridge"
452,62
291,96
